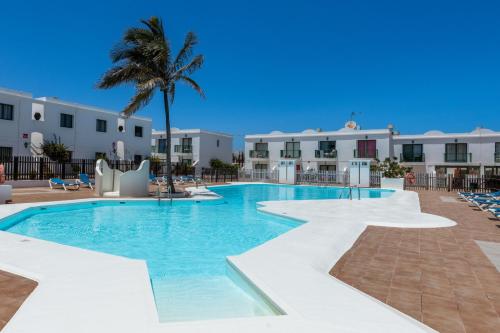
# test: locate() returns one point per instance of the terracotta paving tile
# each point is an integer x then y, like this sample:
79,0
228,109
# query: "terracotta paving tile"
495,300
407,301
479,317
438,276
13,291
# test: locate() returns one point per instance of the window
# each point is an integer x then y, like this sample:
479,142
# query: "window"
329,168
101,125
260,150
99,155
455,152
261,146
6,111
497,152
457,171
186,161
66,120
292,150
137,159
326,150
5,154
367,149
327,146
260,167
187,145
412,153
162,146
492,171
218,142
138,131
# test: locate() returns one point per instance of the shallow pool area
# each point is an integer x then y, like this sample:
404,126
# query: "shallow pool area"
184,244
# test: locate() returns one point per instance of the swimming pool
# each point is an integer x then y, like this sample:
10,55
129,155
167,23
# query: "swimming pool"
184,245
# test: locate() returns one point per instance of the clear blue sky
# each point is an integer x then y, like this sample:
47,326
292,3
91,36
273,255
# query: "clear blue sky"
276,65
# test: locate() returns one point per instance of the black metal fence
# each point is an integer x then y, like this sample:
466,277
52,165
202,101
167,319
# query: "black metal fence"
42,168
159,168
473,183
219,175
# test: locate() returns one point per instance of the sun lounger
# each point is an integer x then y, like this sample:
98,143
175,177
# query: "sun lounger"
469,196
486,204
187,179
495,212
155,180
57,182
85,180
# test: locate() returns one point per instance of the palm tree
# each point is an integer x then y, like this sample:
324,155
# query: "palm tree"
144,58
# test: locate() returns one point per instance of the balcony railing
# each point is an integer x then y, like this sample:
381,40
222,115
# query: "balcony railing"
183,149
497,157
458,157
362,154
259,153
290,153
412,158
325,154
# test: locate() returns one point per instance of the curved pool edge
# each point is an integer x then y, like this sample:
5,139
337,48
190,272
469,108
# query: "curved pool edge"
282,257
306,254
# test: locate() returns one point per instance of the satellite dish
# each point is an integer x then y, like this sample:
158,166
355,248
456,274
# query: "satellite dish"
351,124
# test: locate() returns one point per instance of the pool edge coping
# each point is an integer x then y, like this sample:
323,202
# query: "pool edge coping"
263,206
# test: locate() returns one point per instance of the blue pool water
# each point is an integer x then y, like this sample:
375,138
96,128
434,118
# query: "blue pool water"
184,244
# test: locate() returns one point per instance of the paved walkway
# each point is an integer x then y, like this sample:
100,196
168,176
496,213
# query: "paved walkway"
438,276
14,290
42,194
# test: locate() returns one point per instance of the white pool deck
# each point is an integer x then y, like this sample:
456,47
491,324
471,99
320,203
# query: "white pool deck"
86,291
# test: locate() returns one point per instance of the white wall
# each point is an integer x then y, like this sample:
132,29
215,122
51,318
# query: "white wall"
204,146
481,147
345,145
10,133
83,139
209,150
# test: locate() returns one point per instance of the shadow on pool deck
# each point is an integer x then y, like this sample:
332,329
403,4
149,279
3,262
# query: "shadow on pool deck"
14,290
43,194
439,276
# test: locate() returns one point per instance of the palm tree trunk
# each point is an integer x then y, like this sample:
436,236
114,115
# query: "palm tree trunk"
170,181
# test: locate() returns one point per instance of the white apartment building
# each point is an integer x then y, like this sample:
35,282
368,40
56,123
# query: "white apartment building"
194,147
317,150
477,152
26,122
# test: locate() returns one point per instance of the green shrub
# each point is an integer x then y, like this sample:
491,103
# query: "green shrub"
55,150
217,164
391,168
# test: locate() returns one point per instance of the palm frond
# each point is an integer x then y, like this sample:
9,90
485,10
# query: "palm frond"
191,67
155,25
186,51
122,74
136,35
193,84
152,83
140,99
